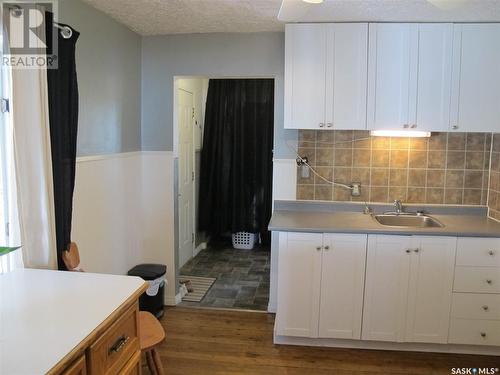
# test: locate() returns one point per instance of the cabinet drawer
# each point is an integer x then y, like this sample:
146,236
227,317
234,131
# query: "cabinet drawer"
78,367
133,367
477,280
117,345
475,306
474,332
483,252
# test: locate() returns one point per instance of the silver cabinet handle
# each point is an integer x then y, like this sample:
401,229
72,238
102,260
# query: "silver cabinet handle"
327,247
318,248
483,334
408,251
321,124
329,125
489,281
485,308
416,250
454,127
491,252
406,126
414,126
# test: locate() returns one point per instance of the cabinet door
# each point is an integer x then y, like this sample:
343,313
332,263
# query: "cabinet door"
430,110
346,75
476,78
386,288
299,276
342,285
430,289
305,69
389,55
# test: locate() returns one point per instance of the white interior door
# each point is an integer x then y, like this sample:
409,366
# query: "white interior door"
186,176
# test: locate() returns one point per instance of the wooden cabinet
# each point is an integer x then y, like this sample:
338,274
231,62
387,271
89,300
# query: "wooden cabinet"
320,283
408,288
326,76
475,105
409,76
112,349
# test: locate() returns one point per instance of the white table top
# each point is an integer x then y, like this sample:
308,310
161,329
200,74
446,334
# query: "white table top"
45,314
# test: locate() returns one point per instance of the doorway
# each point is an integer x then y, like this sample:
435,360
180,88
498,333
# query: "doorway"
231,277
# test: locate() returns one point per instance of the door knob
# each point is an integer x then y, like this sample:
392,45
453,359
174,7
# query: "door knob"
485,308
483,334
329,125
414,126
454,127
327,247
491,252
416,250
321,124
489,281
406,126
318,248
408,251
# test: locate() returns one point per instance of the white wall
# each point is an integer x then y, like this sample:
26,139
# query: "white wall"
123,213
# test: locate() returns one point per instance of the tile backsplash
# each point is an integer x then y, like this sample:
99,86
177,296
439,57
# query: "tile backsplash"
447,168
494,196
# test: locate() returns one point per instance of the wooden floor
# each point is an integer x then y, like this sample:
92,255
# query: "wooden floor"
235,342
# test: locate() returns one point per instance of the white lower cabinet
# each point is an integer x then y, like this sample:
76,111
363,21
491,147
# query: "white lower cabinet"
320,285
392,288
408,288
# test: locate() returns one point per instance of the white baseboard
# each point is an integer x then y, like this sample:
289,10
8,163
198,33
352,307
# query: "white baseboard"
200,247
380,345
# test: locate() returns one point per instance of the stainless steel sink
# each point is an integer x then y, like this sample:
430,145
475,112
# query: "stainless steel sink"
408,221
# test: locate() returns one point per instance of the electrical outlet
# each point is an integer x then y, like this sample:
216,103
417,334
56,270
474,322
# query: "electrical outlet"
355,189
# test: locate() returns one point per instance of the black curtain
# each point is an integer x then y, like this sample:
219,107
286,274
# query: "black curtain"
236,159
63,118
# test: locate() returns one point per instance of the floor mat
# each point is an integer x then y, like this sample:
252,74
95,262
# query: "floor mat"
200,285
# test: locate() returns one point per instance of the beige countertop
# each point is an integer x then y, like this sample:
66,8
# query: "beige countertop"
338,221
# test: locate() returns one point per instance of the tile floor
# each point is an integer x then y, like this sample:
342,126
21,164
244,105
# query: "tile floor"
242,277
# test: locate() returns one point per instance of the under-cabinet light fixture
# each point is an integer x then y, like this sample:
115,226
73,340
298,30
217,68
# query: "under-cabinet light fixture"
400,133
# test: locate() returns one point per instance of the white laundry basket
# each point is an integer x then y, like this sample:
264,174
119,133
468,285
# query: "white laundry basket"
244,240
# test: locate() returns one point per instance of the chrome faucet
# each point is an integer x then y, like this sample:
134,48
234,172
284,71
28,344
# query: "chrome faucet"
398,206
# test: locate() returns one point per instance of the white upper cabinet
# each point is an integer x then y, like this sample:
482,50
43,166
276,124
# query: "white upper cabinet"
346,75
409,76
326,76
388,75
431,108
476,78
305,70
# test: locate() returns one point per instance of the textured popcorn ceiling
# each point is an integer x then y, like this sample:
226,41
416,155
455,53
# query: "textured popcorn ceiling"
157,17
391,11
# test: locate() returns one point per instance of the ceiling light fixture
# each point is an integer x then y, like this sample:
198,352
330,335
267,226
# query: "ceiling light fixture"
313,1
399,133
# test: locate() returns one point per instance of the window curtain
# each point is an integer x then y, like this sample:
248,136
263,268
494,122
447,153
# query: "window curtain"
10,232
33,167
63,114
236,159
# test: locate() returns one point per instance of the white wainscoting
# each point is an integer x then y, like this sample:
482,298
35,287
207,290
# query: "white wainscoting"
123,213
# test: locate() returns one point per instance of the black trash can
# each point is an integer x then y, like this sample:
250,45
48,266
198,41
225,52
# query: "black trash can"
153,299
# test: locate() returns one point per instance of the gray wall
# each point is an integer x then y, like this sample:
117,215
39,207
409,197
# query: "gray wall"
108,59
213,55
